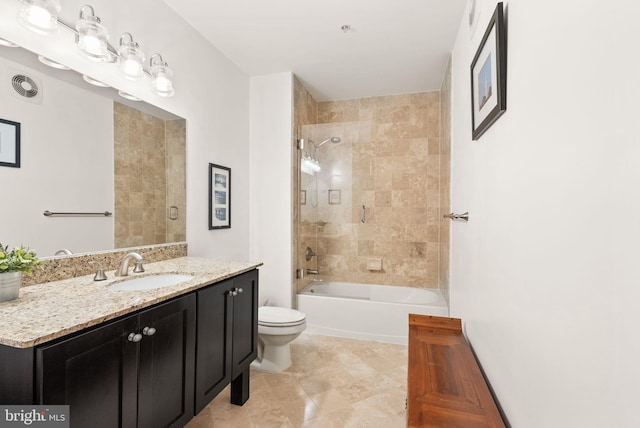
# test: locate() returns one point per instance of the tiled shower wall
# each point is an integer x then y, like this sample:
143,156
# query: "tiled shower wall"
395,166
388,161
142,155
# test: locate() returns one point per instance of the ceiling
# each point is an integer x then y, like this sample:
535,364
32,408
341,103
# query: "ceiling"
393,47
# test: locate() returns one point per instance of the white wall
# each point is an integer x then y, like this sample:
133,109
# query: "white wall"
211,93
63,168
545,274
271,186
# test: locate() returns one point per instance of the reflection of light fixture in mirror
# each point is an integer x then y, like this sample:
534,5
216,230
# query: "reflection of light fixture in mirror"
161,76
52,63
92,36
130,58
7,43
94,82
40,16
128,96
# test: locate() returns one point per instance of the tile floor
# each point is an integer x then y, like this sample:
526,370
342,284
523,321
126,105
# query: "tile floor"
333,382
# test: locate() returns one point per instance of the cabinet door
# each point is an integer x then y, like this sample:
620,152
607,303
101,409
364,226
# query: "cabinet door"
213,355
94,373
166,368
245,322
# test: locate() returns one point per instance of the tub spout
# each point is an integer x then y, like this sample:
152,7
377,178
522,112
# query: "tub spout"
312,272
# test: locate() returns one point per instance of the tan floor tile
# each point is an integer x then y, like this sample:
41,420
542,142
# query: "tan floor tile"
333,382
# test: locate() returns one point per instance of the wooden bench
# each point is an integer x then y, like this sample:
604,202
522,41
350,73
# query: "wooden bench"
445,386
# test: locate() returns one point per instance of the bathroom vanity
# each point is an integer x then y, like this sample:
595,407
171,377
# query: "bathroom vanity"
149,358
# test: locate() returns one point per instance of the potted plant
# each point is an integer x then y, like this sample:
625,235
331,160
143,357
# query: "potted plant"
12,264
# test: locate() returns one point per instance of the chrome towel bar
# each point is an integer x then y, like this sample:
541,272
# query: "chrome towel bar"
102,214
452,216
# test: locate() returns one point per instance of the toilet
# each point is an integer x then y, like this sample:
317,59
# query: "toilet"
277,327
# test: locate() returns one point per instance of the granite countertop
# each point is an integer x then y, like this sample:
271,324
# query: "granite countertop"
44,312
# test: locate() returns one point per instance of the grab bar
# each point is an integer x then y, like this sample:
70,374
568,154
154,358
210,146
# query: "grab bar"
363,217
452,216
51,214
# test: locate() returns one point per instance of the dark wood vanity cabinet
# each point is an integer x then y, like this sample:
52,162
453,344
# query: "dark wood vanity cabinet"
225,354
136,372
154,368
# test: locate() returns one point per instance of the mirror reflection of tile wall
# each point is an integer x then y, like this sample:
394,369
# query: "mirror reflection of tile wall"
149,178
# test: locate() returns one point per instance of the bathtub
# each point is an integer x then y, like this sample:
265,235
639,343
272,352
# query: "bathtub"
365,311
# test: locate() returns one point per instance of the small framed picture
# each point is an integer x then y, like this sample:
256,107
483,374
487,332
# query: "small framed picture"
334,197
489,76
303,197
9,143
219,197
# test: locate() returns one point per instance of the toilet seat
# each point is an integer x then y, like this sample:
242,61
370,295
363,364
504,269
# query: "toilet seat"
271,316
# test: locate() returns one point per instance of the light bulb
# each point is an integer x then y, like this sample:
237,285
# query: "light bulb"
40,16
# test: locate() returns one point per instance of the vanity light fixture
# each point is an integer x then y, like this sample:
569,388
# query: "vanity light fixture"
130,58
40,16
7,43
94,82
92,39
161,76
52,63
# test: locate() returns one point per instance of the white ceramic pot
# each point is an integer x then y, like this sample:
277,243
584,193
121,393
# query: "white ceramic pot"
10,285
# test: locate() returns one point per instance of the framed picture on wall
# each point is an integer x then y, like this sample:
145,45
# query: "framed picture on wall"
219,197
489,76
9,143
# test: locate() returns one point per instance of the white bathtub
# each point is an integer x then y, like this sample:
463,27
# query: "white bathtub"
365,311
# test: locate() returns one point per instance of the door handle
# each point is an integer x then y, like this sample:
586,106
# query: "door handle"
452,216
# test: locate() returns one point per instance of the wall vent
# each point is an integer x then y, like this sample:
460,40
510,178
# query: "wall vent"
24,87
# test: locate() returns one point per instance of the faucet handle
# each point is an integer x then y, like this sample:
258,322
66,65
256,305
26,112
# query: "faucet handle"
139,268
99,276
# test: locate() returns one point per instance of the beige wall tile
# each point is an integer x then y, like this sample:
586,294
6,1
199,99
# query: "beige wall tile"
393,145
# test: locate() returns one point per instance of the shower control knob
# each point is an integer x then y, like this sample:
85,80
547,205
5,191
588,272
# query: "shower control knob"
134,337
148,331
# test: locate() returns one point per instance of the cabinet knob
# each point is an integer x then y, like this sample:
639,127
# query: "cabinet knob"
134,337
148,331
235,291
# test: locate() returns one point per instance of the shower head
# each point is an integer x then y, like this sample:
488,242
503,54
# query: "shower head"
334,140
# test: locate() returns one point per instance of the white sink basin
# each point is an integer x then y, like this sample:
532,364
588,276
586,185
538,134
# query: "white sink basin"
150,282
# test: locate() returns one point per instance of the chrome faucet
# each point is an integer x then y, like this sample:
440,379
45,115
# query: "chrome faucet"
123,268
308,253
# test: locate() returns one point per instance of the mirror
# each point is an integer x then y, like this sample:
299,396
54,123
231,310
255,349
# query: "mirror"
85,150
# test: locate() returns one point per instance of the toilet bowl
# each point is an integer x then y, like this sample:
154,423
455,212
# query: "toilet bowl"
277,327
